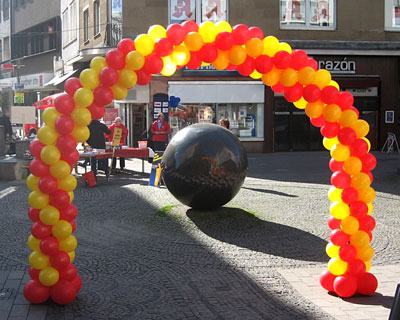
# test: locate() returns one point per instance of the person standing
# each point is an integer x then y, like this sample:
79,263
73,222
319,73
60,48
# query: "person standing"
8,133
224,123
160,130
118,124
97,140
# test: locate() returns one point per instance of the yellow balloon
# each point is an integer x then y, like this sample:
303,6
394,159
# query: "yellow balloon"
33,243
98,63
237,55
300,104
339,210
314,109
169,67
48,276
134,60
50,116
254,47
334,84
367,265
223,26
193,41
60,169
271,46
359,239
283,46
157,31
47,135
119,92
222,60
361,127
349,225
271,78
50,154
368,143
208,31
288,77
71,196
367,195
61,229
352,165
89,78
306,75
32,182
255,74
68,183
81,116
83,97
49,215
365,253
322,78
332,251
144,44
337,266
68,244
71,256
329,143
38,260
348,118
335,194
180,55
38,200
332,112
80,133
127,78
340,152
370,208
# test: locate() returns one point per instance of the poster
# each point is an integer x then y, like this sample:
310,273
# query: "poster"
156,171
181,10
117,137
213,10
110,115
23,114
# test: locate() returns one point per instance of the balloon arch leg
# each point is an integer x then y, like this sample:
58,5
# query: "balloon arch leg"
161,50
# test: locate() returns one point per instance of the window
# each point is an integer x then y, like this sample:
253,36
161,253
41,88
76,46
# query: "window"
392,15
73,23
86,25
1,51
96,9
308,14
65,27
198,10
6,10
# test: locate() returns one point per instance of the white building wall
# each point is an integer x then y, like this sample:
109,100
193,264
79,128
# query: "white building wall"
70,32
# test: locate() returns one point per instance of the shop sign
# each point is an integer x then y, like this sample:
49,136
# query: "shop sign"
208,71
363,92
338,66
19,93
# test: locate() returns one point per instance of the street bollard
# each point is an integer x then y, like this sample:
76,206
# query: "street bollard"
395,311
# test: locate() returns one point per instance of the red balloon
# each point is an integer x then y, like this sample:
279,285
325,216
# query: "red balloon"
299,59
347,136
35,292
64,124
73,224
59,198
339,238
335,165
66,143
115,59
38,168
355,110
356,267
329,94
367,284
34,273
176,33
195,60
358,209
143,77
71,158
293,93
312,63
358,148
49,246
231,67
108,76
126,45
77,282
208,53
333,223
60,260
349,195
153,64
48,184
69,212
318,122
340,179
282,59
330,129
63,292
103,96
347,252
345,100
240,34
345,286
263,64
256,32
326,280
190,26
224,41
278,88
40,231
367,223
163,47
35,147
64,103
33,214
97,111
71,85
368,162
247,67
69,272
311,93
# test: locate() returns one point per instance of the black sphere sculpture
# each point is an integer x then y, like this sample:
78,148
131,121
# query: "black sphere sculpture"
204,166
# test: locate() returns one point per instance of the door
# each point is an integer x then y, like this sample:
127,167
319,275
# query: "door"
136,115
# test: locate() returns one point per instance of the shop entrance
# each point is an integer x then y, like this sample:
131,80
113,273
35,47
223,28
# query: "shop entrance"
135,113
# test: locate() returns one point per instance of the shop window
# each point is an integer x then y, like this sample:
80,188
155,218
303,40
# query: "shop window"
198,10
308,14
392,15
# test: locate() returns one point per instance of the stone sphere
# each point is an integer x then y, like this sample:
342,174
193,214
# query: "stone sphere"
204,166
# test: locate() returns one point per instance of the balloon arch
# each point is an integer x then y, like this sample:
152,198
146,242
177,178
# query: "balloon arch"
161,50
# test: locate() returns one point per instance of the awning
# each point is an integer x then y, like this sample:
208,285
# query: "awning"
47,102
59,79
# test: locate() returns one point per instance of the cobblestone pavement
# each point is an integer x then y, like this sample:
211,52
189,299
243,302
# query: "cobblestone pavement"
143,255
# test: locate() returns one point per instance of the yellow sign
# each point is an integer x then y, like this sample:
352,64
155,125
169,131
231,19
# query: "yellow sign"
117,137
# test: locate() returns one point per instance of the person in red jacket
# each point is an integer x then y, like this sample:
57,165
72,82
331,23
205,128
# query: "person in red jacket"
160,130
118,124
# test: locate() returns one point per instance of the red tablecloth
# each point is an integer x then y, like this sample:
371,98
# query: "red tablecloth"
125,153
